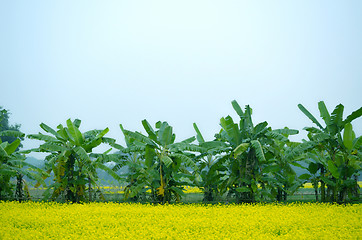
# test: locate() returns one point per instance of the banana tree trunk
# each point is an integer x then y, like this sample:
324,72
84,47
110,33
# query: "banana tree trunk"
90,188
19,194
70,188
279,195
315,185
335,194
285,195
323,186
316,193
355,190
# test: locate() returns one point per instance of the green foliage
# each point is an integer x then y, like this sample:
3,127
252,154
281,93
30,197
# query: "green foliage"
244,161
336,158
12,163
158,163
210,175
71,159
253,151
9,133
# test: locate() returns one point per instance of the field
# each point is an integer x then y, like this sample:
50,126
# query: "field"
195,195
36,220
192,194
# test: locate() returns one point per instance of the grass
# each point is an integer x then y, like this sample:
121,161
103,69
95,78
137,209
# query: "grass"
193,195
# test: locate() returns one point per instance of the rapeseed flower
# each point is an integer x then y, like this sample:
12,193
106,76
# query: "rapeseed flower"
49,220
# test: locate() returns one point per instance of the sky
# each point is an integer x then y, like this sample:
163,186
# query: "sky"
111,62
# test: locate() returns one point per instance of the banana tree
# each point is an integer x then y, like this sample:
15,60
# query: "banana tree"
247,158
69,159
164,166
340,166
139,176
317,163
282,154
211,172
353,158
12,166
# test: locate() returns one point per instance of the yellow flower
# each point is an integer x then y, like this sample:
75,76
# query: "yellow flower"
161,189
50,220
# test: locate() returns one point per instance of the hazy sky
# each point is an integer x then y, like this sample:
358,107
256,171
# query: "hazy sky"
111,62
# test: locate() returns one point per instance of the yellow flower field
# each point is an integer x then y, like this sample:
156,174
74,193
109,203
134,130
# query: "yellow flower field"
34,220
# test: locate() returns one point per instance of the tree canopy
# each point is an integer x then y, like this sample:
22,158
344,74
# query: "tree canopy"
5,126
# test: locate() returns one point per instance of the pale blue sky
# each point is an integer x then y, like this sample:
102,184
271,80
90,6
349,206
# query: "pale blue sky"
112,62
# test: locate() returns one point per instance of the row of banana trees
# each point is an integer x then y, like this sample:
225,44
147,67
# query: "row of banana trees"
246,162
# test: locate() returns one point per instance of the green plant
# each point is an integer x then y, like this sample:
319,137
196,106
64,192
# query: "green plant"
70,159
341,162
12,163
259,158
161,165
211,172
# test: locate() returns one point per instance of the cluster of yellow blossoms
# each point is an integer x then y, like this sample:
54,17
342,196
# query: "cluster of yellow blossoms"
35,220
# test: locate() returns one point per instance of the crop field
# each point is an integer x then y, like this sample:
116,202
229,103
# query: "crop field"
192,194
159,188
50,220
